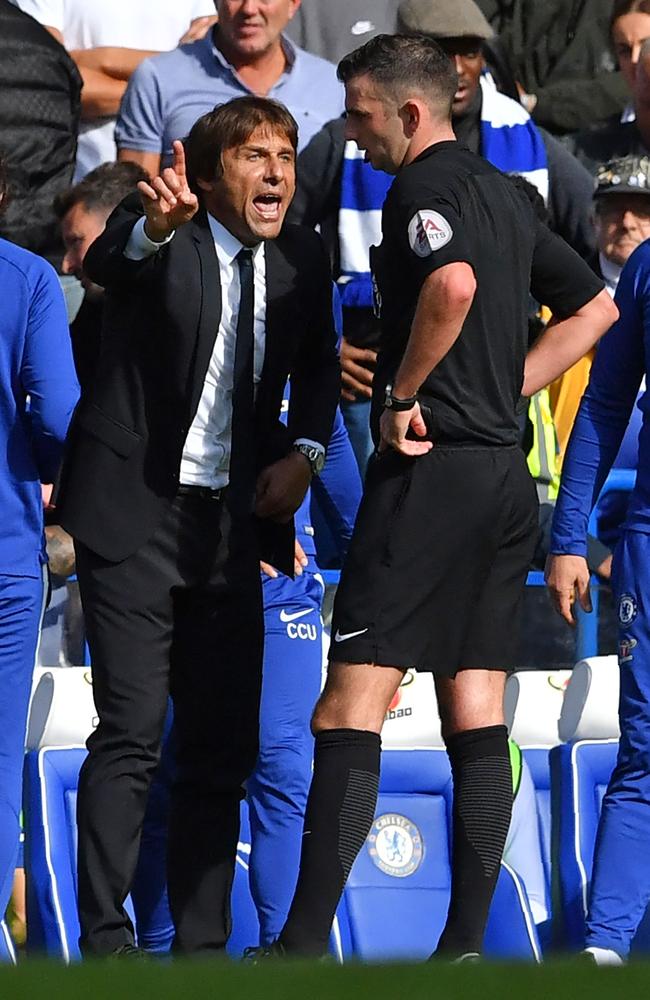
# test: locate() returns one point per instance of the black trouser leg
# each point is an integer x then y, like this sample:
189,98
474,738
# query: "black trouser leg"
215,684
482,773
130,667
339,814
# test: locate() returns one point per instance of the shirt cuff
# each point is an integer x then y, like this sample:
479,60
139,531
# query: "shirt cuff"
139,246
311,444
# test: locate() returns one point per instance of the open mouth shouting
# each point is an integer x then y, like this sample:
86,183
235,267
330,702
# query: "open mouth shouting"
269,206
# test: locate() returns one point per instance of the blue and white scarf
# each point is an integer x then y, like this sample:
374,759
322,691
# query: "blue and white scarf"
509,139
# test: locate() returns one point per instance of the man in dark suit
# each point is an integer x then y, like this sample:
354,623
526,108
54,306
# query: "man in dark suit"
179,478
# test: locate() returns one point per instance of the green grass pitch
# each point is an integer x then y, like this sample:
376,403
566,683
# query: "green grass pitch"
113,980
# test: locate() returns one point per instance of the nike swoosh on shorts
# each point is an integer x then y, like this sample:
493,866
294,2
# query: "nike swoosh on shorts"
340,637
284,617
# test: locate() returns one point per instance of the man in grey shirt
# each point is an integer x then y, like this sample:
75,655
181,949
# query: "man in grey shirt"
332,29
246,53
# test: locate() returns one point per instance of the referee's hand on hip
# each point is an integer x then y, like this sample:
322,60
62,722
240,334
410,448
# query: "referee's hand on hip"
394,427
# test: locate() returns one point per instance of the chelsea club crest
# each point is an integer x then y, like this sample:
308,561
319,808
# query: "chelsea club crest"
395,845
627,609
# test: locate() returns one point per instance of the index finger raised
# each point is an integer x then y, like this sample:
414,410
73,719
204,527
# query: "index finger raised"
178,162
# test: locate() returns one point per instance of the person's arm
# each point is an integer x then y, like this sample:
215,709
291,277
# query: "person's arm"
140,226
139,128
315,386
47,373
569,105
581,308
150,162
444,301
338,489
597,434
565,341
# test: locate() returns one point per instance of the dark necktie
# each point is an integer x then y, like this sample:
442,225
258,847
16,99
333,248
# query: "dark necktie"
242,454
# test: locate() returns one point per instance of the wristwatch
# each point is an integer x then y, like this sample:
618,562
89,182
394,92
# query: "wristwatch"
398,405
315,456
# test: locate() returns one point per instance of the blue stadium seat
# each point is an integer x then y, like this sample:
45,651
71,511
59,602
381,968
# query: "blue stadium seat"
395,903
580,772
7,951
50,801
537,759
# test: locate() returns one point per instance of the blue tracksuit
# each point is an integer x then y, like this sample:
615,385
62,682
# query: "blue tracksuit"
620,887
277,790
38,391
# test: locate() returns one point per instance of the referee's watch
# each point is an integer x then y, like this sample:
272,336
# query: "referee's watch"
315,456
398,405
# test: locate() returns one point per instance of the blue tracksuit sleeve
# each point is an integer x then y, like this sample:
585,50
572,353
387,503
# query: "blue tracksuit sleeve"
338,488
605,408
47,373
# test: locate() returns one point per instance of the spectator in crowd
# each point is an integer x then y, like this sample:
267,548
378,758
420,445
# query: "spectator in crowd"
332,29
245,53
108,42
39,120
562,57
344,195
38,392
628,134
171,452
83,211
622,221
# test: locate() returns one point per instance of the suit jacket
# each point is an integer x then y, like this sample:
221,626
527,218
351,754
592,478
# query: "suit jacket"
160,323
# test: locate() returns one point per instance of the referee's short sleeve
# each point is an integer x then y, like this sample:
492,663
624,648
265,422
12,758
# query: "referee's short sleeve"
560,279
432,233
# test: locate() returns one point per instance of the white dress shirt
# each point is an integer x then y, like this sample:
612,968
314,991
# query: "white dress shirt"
206,453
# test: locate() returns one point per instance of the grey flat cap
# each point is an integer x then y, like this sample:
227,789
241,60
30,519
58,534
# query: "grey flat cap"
443,19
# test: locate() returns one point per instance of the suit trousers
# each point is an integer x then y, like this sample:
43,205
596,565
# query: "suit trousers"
181,616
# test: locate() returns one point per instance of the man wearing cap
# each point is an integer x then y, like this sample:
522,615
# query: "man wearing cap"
343,195
622,222
620,885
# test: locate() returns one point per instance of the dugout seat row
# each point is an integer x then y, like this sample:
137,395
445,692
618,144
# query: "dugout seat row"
395,902
396,898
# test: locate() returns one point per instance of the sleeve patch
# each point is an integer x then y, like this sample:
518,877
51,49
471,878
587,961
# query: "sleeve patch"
428,231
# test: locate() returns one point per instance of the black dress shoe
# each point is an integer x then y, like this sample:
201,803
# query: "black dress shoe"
130,951
265,953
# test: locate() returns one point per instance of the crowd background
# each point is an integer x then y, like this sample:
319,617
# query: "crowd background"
93,95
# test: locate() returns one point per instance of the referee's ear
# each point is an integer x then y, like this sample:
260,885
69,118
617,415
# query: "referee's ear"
411,114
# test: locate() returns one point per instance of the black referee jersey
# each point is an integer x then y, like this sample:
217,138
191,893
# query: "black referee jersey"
451,205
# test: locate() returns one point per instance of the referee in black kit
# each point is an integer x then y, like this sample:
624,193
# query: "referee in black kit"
448,524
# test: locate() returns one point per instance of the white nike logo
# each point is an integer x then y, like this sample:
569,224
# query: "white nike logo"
284,617
362,28
340,637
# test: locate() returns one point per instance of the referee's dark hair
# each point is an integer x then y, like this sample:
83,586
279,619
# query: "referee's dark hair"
400,63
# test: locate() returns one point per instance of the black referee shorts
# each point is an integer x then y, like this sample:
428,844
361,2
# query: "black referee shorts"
438,561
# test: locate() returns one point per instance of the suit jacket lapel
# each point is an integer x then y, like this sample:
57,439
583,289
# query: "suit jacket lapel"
280,306
210,310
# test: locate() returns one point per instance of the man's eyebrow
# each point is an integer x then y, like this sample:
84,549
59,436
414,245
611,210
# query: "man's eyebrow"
265,149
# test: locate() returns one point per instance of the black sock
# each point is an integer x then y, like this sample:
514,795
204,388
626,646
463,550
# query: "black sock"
480,764
340,811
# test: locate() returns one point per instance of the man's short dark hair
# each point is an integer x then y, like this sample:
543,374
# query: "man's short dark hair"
101,189
402,63
229,125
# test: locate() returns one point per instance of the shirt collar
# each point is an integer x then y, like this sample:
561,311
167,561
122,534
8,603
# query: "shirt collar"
611,272
227,245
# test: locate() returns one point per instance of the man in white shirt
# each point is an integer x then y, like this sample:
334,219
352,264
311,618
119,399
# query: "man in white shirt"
108,42
179,478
